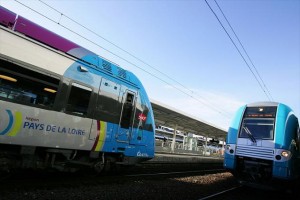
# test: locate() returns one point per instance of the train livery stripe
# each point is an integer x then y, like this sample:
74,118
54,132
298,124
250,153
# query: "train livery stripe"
17,125
97,137
101,135
10,123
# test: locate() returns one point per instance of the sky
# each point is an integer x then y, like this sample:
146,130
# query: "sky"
181,52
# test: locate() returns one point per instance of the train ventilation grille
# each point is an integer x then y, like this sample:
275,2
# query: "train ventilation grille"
122,73
255,152
106,66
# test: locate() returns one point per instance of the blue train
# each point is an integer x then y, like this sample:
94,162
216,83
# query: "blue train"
262,145
64,107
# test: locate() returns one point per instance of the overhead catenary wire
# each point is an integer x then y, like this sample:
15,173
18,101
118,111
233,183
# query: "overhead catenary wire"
98,35
126,60
238,50
135,57
245,51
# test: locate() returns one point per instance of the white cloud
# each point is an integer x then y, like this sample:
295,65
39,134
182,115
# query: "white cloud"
215,108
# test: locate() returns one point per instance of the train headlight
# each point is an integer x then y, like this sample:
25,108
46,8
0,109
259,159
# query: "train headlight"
285,154
229,148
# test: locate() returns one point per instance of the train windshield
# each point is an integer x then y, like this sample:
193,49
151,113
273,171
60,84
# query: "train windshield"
258,123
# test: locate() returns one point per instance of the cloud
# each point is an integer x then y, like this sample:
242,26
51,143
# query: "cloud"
212,107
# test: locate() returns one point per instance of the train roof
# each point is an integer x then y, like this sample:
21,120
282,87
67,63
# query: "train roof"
28,28
262,103
267,103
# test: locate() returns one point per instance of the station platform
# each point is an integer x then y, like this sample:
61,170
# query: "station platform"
162,157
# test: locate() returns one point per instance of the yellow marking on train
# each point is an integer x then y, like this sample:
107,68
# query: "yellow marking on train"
102,136
17,125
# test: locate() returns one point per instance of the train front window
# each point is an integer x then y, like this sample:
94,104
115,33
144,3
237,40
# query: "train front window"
257,129
258,123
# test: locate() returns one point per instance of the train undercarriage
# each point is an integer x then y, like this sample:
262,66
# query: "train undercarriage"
254,170
14,157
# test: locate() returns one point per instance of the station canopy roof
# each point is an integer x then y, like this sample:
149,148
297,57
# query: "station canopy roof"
170,117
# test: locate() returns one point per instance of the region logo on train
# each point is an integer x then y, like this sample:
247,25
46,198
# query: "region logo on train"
10,124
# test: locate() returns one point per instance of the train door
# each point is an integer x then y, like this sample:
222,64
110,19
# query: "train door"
138,136
127,116
107,110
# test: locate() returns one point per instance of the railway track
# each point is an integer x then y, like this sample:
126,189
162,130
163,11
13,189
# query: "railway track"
184,173
155,180
247,193
207,184
156,185
219,195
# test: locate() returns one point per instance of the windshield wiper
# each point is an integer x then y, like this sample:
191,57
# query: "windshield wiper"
249,134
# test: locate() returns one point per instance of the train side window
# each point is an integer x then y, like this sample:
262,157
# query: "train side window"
79,99
127,111
24,86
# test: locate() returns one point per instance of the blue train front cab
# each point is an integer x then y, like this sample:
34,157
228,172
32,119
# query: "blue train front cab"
231,140
262,144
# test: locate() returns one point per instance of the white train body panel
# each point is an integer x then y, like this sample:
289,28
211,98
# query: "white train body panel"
15,46
39,127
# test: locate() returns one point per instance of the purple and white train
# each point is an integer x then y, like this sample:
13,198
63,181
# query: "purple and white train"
64,107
